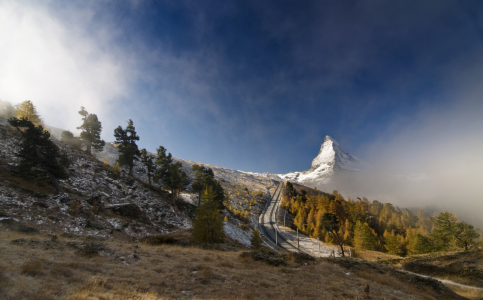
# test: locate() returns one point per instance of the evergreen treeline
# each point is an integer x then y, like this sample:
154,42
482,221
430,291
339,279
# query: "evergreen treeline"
375,225
39,152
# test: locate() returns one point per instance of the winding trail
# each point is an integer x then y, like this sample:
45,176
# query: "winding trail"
444,281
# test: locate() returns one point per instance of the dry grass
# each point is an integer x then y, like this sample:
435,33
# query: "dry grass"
168,271
41,186
34,268
370,255
467,293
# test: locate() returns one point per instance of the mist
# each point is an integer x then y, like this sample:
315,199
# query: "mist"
51,58
434,161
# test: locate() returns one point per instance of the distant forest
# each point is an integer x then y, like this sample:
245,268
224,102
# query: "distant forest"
377,226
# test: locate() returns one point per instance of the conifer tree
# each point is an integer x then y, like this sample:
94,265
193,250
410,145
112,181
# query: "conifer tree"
311,221
91,131
162,161
363,237
26,110
449,231
126,143
331,224
171,175
348,233
215,185
418,243
148,161
466,236
300,219
204,177
208,224
37,150
256,240
392,244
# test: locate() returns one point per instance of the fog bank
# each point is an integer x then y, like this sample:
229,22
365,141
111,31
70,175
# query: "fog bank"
434,160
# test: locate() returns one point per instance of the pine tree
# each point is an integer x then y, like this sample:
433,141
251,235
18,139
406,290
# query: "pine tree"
256,240
126,143
418,243
170,174
363,237
163,162
217,188
466,236
331,224
37,150
148,161
311,221
348,233
91,131
449,231
26,110
208,224
391,243
204,178
299,221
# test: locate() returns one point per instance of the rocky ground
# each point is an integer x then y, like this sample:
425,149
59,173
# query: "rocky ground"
101,202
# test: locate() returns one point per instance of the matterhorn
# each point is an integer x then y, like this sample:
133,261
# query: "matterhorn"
330,162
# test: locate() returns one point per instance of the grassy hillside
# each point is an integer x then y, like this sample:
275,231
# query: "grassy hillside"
465,268
39,267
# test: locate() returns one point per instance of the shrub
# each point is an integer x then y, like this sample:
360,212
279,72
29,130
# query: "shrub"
159,240
266,256
34,268
92,249
256,240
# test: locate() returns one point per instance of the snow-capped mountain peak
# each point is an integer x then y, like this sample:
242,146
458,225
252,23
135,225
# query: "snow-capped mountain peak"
331,155
330,161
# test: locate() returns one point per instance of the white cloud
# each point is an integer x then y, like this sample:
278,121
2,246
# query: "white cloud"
57,63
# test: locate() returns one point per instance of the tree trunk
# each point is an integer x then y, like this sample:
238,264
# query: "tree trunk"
130,170
149,178
339,243
55,183
342,249
88,148
172,197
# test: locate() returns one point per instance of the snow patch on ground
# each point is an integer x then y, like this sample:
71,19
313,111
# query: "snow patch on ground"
3,121
237,234
190,198
308,244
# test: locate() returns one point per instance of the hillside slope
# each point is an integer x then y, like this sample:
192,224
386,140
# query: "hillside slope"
107,202
103,203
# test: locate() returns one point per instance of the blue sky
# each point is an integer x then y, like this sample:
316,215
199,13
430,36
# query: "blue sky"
252,85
